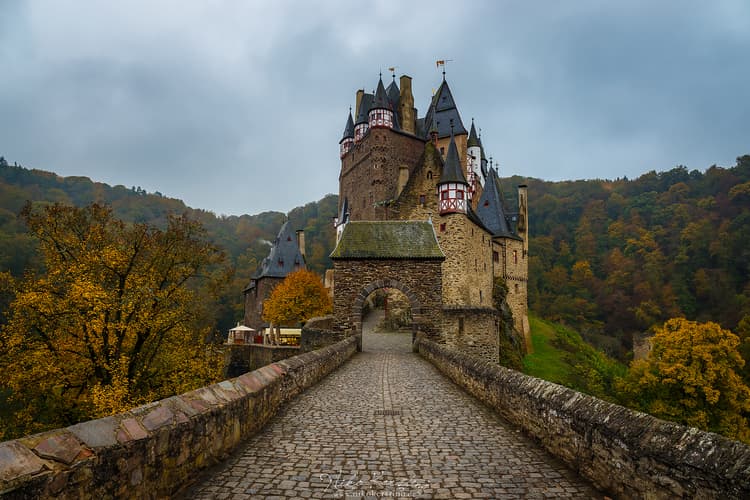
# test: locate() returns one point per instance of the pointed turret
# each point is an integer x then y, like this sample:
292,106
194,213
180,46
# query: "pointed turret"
347,141
361,125
474,159
381,111
393,93
452,187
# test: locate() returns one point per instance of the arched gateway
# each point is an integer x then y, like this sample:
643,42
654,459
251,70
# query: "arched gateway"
388,254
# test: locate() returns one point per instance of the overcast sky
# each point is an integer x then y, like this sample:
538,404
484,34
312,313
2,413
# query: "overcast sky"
238,106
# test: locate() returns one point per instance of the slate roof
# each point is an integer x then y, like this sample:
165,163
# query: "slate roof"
452,171
388,240
443,109
490,208
393,93
284,256
381,100
348,129
473,139
364,108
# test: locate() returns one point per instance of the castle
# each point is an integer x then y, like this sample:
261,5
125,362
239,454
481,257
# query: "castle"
418,196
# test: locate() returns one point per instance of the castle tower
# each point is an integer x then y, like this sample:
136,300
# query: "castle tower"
452,188
381,111
474,155
347,141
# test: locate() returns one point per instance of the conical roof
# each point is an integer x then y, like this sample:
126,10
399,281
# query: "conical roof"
381,100
348,129
473,138
364,108
452,171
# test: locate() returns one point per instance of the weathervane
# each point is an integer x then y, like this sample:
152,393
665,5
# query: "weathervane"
442,62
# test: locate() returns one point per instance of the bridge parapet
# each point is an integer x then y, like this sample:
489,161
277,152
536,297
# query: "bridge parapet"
624,452
157,449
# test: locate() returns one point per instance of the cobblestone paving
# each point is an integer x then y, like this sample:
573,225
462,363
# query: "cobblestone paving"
388,425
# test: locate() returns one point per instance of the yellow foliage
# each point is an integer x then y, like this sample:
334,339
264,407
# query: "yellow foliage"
299,297
117,319
691,377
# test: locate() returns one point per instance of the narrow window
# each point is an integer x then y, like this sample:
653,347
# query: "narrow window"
421,199
442,151
442,227
515,256
495,256
429,174
480,296
460,326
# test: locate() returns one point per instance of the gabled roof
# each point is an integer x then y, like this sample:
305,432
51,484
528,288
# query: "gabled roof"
364,108
388,240
452,171
490,208
349,128
443,110
284,256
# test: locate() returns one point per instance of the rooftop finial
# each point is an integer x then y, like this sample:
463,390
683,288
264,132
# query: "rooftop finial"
392,69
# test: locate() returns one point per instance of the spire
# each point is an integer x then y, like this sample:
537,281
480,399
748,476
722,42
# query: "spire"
452,171
381,100
473,139
349,128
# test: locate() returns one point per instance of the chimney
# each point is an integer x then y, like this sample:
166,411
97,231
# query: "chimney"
301,242
523,217
360,93
407,111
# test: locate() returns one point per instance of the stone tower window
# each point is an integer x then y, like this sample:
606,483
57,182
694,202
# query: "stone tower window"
515,256
421,199
429,174
495,256
442,227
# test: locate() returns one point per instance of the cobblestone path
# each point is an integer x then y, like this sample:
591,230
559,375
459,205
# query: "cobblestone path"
387,424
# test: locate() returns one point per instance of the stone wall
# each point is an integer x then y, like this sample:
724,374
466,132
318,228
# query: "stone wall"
155,450
243,358
254,299
625,453
370,171
318,333
419,280
473,331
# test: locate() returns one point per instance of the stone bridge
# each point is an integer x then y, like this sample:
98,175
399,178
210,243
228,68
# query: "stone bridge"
387,423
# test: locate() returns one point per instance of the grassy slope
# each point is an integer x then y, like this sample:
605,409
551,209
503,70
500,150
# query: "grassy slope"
546,362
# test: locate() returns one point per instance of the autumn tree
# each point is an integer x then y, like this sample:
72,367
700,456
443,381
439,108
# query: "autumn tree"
116,319
299,297
692,377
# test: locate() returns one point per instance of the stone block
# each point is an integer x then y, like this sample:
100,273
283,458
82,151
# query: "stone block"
59,446
17,461
97,433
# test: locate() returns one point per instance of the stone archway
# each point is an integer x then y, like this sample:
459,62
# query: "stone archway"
420,280
358,306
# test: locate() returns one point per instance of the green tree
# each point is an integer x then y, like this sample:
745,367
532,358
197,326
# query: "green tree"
117,318
692,377
299,297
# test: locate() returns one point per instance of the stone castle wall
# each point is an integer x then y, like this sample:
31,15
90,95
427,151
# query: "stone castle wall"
467,269
515,271
254,301
156,450
370,171
625,453
419,280
473,331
